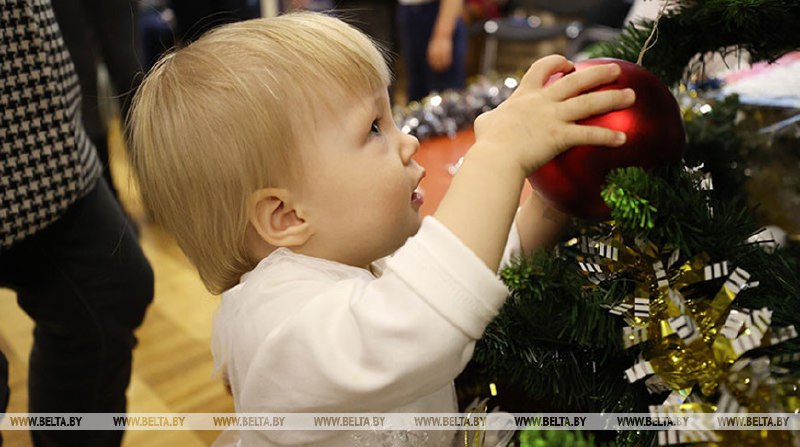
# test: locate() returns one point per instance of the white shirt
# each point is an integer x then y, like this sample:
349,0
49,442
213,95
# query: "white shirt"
307,335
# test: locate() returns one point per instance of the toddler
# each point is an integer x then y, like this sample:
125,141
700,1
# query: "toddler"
268,149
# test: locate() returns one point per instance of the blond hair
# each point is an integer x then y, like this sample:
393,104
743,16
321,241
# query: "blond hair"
213,122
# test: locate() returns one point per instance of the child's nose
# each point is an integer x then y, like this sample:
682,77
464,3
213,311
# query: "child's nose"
408,147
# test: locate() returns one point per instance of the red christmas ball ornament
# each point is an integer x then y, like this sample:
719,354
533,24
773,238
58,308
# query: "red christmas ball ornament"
655,137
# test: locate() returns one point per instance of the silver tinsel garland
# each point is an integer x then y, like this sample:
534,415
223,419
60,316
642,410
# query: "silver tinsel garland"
448,112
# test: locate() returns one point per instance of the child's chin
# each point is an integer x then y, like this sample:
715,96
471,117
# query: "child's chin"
410,230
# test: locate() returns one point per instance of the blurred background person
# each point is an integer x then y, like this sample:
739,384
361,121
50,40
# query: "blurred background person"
156,30
66,248
101,31
433,43
164,24
195,17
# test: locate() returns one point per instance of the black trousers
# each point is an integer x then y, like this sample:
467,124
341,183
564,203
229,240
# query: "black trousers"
86,284
94,30
415,27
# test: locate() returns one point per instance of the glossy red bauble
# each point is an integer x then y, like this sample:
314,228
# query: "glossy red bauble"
655,137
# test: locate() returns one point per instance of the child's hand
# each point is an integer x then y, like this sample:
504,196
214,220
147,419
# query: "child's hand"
537,122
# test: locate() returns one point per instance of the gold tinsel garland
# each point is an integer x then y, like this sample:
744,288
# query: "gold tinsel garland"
695,338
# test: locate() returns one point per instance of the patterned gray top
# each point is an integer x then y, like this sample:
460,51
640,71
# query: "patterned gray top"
46,160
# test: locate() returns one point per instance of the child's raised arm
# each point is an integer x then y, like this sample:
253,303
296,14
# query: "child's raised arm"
526,131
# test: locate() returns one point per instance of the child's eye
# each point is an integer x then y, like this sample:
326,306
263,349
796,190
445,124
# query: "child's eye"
376,128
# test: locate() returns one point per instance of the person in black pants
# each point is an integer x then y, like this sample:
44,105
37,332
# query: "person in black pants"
433,42
104,30
86,284
66,248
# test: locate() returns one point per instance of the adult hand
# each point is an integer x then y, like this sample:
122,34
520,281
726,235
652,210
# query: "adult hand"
440,52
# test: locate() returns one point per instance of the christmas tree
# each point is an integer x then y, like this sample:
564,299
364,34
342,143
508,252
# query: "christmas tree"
677,302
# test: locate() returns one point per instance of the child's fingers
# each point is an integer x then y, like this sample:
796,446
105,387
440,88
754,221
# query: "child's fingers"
595,103
580,81
578,135
541,70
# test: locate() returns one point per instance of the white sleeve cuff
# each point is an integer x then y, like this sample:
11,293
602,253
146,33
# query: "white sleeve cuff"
450,277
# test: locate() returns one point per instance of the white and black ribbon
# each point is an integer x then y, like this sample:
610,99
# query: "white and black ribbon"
733,324
782,334
639,371
716,270
685,327
661,274
634,335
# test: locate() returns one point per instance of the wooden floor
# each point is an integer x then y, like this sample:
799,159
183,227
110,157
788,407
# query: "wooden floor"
172,363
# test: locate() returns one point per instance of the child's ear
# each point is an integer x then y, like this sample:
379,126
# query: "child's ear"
273,214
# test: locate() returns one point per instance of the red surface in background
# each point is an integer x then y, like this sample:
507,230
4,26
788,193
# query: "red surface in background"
436,155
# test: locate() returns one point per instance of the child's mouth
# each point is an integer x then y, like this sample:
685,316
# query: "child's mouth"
416,198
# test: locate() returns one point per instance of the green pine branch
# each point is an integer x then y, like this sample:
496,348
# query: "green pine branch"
679,213
767,29
554,339
716,143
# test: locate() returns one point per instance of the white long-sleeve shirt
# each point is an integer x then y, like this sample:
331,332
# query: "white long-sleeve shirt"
301,334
